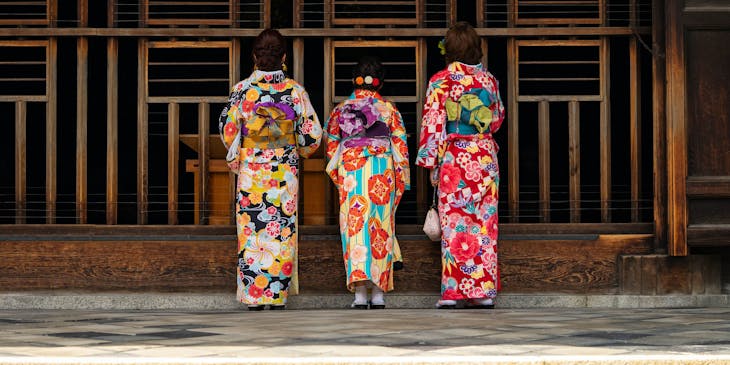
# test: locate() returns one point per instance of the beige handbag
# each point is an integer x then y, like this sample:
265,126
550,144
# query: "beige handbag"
432,225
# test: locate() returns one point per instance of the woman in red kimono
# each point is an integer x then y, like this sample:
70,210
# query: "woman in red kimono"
462,111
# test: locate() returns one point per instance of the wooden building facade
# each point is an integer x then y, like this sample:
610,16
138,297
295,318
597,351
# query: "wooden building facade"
614,158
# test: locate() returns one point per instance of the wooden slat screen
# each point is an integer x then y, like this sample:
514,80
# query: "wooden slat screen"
24,12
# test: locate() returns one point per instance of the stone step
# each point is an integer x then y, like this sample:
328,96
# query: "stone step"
227,301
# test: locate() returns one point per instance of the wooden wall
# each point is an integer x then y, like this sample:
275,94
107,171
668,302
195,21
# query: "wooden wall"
184,260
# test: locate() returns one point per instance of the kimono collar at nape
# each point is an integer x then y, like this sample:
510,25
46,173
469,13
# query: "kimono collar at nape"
464,68
362,93
269,77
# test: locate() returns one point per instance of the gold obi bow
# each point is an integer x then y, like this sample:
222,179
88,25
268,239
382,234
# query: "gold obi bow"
270,127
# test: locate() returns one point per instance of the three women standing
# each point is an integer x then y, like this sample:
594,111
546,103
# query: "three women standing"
267,125
368,162
462,111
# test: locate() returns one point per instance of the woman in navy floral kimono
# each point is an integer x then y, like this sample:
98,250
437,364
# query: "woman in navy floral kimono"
267,125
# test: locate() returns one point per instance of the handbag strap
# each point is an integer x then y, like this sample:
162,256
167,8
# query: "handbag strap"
434,203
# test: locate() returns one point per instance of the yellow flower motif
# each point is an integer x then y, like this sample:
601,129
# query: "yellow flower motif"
252,95
279,152
275,269
285,232
244,219
478,273
255,198
487,285
466,80
261,281
472,148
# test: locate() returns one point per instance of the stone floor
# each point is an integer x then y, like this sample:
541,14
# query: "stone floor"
391,336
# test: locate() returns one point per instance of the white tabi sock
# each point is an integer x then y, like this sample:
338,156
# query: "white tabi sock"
361,294
377,297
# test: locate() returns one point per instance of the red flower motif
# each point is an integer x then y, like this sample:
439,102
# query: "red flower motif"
255,292
450,178
451,294
379,188
384,278
378,239
464,246
247,106
358,275
287,268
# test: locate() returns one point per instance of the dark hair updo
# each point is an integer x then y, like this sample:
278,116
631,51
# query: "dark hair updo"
368,66
269,47
462,44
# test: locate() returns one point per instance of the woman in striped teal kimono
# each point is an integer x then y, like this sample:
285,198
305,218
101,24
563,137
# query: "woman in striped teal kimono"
368,162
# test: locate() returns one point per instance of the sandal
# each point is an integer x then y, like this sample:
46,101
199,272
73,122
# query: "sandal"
356,305
485,303
446,304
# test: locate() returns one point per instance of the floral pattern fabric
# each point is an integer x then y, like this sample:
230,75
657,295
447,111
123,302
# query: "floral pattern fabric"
468,177
266,126
368,162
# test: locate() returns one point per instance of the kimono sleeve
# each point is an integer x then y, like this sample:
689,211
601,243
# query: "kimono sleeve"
229,126
497,107
333,139
433,123
400,153
308,128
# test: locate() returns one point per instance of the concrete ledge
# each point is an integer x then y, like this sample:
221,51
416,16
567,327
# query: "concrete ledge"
227,301
382,360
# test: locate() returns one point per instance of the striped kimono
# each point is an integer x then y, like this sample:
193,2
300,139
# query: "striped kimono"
368,162
462,111
266,126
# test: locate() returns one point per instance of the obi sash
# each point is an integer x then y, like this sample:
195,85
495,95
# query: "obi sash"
271,126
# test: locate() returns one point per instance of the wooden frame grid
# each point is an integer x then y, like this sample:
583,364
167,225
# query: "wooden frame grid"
149,20
173,141
51,11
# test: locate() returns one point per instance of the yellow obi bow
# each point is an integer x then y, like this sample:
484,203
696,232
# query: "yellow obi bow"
272,126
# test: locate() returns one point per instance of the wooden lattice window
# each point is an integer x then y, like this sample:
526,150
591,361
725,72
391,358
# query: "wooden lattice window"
375,12
14,12
558,12
189,12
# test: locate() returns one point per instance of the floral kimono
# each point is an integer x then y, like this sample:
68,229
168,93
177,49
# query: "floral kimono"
268,124
462,111
368,162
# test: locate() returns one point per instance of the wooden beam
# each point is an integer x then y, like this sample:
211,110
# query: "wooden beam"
574,160
328,96
452,12
21,125
203,157
543,131
422,180
297,8
409,32
173,157
676,133
266,17
513,135
659,126
635,128
420,13
142,131
480,14
605,130
51,129
83,13
82,117
112,131
52,15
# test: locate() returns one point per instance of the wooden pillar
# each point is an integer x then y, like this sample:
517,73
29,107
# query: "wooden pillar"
452,12
543,128
266,14
20,160
51,130
513,135
173,157
635,128
676,133
574,160
142,131
422,180
329,74
203,158
605,131
112,131
82,115
659,126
